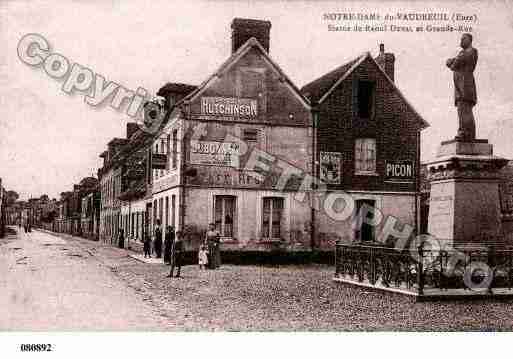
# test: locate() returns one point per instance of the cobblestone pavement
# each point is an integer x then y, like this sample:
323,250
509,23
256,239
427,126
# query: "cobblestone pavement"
286,298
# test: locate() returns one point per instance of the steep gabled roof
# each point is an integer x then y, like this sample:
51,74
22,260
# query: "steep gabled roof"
316,89
248,45
320,89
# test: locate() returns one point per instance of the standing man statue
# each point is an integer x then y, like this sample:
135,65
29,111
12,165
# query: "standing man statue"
465,96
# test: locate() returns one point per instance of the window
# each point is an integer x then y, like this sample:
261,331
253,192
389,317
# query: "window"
161,209
365,156
365,98
167,211
224,213
364,231
175,148
173,209
272,215
154,212
250,135
168,150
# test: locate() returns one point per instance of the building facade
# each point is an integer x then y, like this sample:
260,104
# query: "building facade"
367,145
246,119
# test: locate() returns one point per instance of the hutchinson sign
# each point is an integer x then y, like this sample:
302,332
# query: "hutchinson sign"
229,107
399,170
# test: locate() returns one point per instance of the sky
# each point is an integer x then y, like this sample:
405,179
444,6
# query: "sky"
50,140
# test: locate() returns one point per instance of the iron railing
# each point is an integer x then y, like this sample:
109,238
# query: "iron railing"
419,270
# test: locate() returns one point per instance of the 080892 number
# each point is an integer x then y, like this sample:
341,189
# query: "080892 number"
36,347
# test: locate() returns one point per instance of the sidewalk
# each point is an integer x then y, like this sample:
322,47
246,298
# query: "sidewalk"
151,260
132,253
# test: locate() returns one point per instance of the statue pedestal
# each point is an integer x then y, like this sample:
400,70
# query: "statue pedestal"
464,202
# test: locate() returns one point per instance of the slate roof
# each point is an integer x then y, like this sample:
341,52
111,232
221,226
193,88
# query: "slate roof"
317,88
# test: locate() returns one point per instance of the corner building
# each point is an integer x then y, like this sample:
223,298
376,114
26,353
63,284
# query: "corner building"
245,119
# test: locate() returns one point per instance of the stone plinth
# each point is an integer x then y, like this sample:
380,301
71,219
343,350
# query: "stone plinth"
464,204
455,147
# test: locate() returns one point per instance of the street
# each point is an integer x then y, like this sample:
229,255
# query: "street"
48,283
60,282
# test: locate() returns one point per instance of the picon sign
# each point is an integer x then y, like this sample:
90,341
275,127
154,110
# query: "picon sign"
399,170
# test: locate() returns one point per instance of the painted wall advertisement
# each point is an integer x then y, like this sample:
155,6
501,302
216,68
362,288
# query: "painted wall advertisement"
330,165
229,107
399,170
214,153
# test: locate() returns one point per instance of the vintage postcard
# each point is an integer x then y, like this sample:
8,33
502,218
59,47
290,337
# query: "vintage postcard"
254,166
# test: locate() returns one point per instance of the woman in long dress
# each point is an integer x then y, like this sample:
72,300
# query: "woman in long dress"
212,239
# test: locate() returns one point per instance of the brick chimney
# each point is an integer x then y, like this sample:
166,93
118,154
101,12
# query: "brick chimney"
386,61
131,128
244,29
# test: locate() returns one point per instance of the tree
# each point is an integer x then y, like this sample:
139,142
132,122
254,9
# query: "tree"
12,197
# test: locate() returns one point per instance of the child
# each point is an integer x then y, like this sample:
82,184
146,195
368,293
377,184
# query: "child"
203,257
147,246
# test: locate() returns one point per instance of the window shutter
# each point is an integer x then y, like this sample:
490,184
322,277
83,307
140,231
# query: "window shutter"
358,155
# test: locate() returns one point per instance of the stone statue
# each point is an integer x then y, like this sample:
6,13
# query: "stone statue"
465,96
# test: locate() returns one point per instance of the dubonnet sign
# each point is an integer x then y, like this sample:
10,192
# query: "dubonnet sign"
214,153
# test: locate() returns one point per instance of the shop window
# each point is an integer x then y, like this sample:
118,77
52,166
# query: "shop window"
364,231
272,216
224,215
365,156
365,99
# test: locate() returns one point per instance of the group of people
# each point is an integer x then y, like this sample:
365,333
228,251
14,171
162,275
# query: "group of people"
172,248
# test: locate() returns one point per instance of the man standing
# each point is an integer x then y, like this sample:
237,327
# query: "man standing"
158,240
176,255
465,96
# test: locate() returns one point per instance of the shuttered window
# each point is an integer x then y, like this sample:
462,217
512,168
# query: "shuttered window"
365,156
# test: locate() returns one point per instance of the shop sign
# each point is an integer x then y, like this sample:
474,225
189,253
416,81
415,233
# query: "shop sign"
165,182
229,107
225,177
158,161
214,153
330,166
399,170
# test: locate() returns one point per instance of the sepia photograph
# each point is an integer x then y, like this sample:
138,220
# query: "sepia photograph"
177,170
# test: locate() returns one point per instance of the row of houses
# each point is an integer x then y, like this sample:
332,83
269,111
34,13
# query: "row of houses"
76,212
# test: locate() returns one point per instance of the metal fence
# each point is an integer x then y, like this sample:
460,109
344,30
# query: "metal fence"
422,270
